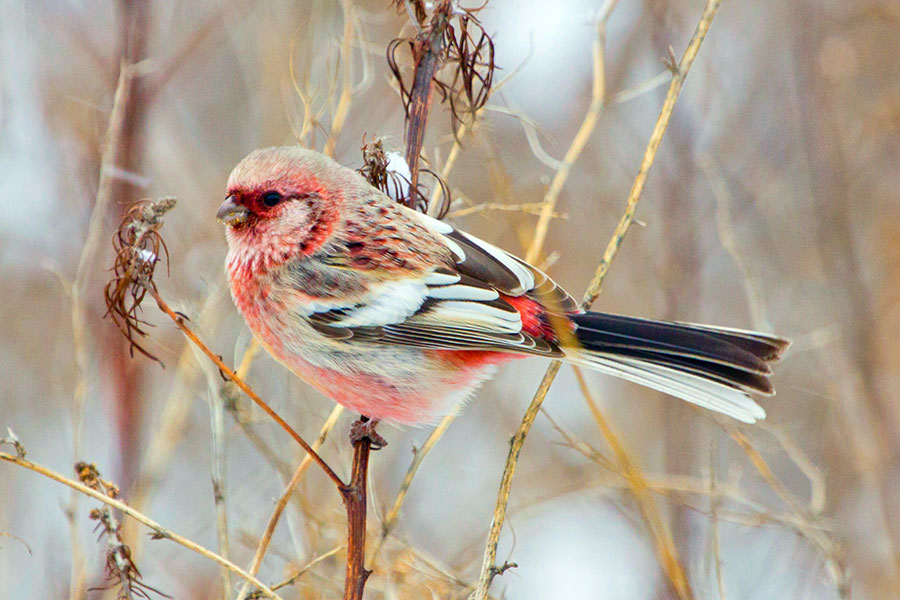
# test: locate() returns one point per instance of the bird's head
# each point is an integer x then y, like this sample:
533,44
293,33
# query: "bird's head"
284,197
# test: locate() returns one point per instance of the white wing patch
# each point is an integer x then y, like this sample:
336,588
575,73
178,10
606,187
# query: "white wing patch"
463,292
474,316
450,304
390,302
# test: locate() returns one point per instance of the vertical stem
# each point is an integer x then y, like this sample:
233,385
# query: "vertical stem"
355,501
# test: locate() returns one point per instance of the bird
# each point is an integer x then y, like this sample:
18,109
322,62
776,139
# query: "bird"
399,316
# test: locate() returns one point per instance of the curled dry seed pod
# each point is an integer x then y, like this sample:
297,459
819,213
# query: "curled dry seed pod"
452,38
137,243
389,172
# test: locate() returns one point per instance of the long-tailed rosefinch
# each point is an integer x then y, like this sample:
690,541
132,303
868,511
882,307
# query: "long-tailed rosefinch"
398,316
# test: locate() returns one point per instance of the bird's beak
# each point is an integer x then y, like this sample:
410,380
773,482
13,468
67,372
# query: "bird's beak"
231,213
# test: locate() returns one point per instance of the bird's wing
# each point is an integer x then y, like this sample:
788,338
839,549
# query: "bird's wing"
457,304
501,270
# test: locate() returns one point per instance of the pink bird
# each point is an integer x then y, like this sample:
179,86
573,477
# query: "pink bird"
399,316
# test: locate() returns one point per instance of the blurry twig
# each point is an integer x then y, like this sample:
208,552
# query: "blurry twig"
729,241
77,291
714,502
159,532
667,553
598,94
219,470
303,570
488,568
266,538
533,208
805,522
419,456
339,116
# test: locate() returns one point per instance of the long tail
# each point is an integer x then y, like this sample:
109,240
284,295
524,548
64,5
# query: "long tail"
713,367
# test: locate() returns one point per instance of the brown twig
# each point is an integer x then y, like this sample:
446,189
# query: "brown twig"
159,532
266,538
488,567
666,552
355,498
437,44
598,94
180,323
122,99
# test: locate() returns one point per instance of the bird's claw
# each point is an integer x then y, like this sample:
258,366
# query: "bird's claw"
364,429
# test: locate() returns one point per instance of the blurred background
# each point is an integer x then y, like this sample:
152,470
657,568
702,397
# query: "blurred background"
773,204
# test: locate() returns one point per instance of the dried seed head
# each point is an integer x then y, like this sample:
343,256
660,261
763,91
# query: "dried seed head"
390,173
453,40
137,244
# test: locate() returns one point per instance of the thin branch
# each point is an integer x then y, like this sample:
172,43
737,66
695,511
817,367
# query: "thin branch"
344,100
266,538
714,502
76,294
159,532
638,486
303,570
598,93
662,122
488,567
180,323
355,500
391,517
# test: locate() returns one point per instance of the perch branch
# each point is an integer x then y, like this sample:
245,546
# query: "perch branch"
180,323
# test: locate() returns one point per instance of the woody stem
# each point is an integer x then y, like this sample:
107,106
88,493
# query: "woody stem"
354,496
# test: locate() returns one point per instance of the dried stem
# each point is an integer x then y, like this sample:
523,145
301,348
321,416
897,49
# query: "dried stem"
598,93
344,100
488,566
355,499
180,323
266,538
159,532
438,43
76,293
666,551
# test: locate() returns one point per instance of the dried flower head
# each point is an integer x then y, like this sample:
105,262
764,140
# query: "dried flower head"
453,38
137,244
120,568
390,173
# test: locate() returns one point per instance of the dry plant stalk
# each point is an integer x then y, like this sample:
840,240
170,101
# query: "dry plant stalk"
488,568
119,565
159,532
666,551
438,43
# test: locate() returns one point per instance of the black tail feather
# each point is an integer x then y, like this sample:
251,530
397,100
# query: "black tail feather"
735,358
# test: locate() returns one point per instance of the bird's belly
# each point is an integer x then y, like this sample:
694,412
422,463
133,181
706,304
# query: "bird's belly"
400,384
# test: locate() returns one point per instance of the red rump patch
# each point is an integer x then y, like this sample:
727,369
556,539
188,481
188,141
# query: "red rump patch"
534,317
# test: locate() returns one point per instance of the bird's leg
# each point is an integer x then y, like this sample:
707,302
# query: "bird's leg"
364,428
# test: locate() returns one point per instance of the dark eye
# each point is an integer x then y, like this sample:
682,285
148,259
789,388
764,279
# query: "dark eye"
271,199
